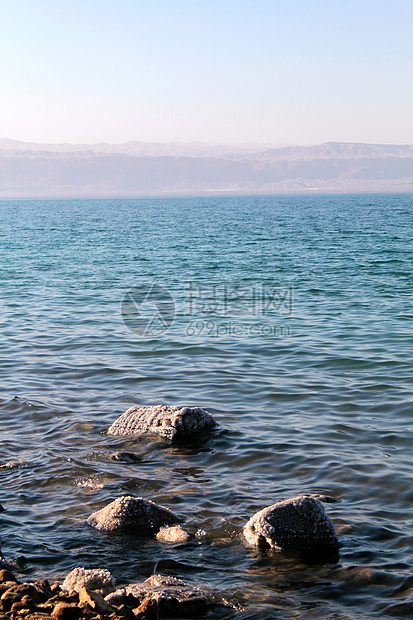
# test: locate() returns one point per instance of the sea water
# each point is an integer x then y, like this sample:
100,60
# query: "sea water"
288,318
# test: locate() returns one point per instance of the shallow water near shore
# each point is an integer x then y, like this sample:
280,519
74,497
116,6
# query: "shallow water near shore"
288,318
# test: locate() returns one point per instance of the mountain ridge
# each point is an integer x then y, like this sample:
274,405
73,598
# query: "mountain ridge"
137,168
201,149
136,148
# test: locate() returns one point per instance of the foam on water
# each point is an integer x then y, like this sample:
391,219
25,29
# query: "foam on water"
316,399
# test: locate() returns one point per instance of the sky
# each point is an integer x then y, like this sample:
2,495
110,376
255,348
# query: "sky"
271,72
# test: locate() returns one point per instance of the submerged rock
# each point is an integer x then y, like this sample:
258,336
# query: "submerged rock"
97,579
299,523
328,499
168,422
125,457
5,564
168,596
128,513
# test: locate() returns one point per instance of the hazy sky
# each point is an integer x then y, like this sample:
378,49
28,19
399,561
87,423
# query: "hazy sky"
267,71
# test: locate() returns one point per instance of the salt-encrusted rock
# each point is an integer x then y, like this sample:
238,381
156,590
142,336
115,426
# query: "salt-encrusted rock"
299,523
127,512
172,597
169,422
98,579
173,534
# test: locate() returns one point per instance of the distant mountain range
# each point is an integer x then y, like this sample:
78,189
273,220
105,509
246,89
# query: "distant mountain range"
138,168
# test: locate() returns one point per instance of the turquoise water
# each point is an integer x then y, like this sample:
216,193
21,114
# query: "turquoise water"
288,318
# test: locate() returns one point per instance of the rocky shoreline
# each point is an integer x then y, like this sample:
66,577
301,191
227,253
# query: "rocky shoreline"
80,597
299,523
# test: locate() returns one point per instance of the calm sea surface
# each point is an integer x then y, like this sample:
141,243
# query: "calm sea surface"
288,318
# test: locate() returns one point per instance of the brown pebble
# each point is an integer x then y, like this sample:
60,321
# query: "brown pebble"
66,611
7,599
6,585
45,608
4,617
24,611
38,616
123,611
147,610
26,603
6,575
95,600
44,589
63,597
22,589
